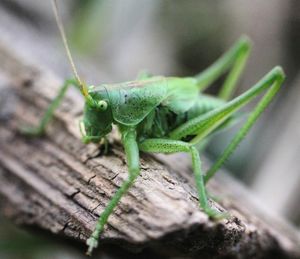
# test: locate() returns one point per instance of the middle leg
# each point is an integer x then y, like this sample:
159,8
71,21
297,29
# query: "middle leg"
173,146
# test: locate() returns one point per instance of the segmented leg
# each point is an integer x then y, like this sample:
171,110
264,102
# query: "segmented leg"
235,59
132,156
40,129
203,125
274,84
173,146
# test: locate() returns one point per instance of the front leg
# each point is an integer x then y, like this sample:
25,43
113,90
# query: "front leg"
40,129
132,157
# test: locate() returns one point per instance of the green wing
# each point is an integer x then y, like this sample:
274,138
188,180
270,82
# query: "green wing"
131,102
182,94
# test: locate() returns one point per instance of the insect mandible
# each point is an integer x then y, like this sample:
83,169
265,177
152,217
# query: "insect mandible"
159,114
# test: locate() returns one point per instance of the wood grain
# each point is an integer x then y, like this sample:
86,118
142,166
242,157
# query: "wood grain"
61,185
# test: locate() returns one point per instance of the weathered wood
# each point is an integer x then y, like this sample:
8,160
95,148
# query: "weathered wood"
62,185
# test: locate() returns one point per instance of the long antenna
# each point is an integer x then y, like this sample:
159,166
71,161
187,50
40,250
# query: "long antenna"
82,86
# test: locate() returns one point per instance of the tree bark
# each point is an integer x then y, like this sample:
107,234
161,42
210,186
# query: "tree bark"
61,185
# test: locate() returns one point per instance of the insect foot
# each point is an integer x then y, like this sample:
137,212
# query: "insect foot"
91,243
216,215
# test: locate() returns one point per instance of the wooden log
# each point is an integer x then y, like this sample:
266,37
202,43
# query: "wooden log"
61,185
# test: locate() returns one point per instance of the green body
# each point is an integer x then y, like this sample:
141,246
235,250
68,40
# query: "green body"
168,115
155,106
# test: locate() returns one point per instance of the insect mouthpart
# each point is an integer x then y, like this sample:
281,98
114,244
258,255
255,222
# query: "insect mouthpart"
87,138
97,121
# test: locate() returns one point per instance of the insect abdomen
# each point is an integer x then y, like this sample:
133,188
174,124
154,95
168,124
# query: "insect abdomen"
161,121
204,104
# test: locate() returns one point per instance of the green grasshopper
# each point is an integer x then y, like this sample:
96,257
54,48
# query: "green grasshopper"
159,114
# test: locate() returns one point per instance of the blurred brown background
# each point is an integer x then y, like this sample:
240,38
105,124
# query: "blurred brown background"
113,40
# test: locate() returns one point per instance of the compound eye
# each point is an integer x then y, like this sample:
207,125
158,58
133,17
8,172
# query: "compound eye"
102,105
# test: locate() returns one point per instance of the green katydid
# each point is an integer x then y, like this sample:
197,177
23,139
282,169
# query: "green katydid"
166,115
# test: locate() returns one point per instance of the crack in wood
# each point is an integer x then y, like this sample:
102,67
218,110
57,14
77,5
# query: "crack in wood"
59,184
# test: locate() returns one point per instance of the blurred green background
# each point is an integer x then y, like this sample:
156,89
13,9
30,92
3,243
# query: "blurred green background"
113,40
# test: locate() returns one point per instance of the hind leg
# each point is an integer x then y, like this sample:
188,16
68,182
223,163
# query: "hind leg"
233,60
205,124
